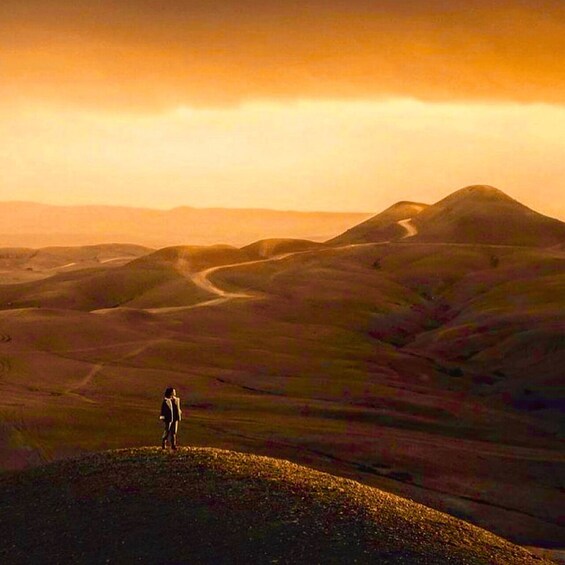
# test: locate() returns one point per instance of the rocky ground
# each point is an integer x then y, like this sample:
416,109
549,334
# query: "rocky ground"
203,505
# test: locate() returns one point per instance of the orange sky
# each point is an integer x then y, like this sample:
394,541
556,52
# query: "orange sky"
328,105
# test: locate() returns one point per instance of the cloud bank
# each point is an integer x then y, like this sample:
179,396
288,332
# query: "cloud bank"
144,54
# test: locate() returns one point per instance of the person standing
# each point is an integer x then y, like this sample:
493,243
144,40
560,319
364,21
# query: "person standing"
171,415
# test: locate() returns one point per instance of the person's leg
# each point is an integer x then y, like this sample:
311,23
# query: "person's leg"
165,435
174,429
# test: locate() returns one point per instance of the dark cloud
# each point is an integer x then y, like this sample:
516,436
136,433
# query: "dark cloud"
152,53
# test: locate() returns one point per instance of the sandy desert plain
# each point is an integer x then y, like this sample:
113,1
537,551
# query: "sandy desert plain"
420,352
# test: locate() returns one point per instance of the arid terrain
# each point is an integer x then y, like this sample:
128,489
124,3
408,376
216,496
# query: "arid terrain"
421,352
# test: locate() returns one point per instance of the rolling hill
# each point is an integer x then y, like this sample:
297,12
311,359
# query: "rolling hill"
19,265
214,506
151,279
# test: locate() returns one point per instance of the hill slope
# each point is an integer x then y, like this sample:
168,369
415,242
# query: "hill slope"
19,265
265,248
484,214
212,506
383,226
154,279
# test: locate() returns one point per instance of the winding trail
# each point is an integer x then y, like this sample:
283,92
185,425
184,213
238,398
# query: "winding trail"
202,278
96,368
171,309
202,281
116,259
59,267
411,229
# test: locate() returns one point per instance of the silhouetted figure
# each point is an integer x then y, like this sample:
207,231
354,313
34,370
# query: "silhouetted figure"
171,414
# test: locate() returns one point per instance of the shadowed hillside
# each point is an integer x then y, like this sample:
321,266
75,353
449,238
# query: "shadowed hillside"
212,506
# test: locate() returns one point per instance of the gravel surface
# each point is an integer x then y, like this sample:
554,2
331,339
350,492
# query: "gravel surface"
202,505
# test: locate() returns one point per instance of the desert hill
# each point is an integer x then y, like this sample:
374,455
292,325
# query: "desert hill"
215,506
266,248
144,279
148,279
483,214
198,257
23,264
383,226
27,224
476,214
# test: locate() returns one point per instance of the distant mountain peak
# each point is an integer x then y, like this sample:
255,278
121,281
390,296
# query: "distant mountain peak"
478,213
482,188
408,204
479,192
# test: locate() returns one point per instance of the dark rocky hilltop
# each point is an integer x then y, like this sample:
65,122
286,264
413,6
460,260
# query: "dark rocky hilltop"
202,505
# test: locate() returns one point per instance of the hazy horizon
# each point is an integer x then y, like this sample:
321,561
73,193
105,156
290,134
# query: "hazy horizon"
310,211
179,207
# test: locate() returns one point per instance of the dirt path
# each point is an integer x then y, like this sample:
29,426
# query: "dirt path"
202,281
202,278
172,309
411,229
95,369
62,266
117,259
